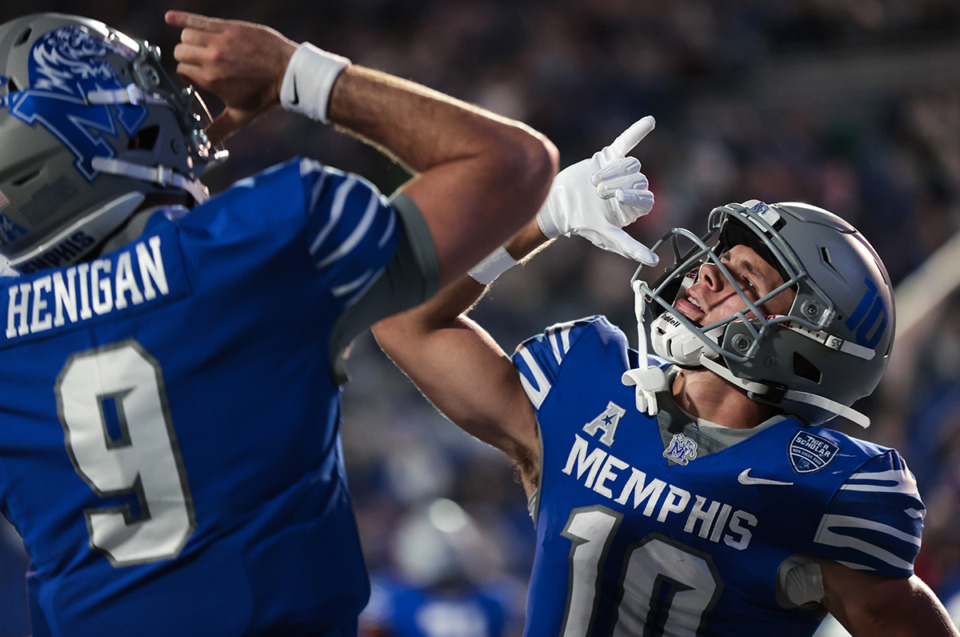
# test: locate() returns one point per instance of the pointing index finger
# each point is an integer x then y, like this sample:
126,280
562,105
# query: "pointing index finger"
187,20
629,138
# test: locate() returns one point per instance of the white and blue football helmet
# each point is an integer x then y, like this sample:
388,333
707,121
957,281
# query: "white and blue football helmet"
90,125
828,351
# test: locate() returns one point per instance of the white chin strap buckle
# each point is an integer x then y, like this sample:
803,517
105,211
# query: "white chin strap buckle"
647,379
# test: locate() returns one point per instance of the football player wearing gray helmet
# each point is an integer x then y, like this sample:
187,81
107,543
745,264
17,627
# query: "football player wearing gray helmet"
695,491
92,124
170,366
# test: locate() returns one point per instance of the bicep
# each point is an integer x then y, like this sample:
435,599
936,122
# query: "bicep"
873,605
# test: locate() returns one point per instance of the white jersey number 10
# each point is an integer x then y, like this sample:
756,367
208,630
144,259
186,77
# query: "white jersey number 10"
666,588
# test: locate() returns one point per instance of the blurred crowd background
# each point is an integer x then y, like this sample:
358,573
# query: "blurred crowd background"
853,105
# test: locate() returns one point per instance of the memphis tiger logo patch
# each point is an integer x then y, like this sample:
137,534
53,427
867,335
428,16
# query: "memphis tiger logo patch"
810,453
681,449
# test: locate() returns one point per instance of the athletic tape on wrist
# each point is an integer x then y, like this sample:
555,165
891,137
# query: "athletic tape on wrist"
496,263
308,81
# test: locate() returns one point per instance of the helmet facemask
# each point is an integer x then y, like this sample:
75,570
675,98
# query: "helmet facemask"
690,253
178,142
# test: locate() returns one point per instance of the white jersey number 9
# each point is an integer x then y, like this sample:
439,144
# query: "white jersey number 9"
121,385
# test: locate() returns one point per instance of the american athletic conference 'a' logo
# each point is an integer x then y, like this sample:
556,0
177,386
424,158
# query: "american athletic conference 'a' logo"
66,65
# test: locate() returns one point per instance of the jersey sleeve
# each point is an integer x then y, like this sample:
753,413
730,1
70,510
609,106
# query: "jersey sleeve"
352,230
875,520
539,358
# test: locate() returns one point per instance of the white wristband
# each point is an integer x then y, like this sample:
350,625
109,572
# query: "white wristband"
496,263
308,81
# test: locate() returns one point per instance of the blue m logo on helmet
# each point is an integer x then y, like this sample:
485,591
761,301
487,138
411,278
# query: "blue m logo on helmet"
66,65
870,316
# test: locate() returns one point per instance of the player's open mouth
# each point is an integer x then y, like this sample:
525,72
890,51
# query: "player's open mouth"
690,307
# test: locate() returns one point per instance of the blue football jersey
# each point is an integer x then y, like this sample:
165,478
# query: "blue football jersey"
642,525
401,610
169,439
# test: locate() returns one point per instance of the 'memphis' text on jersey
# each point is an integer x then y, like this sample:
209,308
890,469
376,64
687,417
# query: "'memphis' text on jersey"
616,480
86,290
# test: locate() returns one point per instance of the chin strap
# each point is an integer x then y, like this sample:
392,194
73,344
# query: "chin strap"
826,404
648,379
162,175
130,94
155,174
727,375
791,395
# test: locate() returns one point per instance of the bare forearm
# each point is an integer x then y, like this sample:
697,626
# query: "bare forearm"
412,123
458,297
527,242
479,177
460,367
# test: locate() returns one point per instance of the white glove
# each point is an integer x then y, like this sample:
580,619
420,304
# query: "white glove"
595,198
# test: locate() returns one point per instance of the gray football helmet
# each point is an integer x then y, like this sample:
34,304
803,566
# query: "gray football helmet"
90,124
828,351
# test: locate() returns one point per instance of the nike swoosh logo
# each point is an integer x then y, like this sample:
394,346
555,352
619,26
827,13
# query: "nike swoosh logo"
746,478
296,96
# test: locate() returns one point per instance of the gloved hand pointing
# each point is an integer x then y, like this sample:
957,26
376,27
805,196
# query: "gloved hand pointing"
595,198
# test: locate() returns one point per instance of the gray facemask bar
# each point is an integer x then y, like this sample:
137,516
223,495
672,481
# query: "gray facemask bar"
153,85
156,83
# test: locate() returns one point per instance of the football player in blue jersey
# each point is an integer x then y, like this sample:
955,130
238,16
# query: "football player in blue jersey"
399,609
169,377
697,491
442,580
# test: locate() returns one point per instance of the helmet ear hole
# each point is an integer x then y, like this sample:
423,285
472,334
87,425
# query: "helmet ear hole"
25,179
23,37
145,139
803,368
